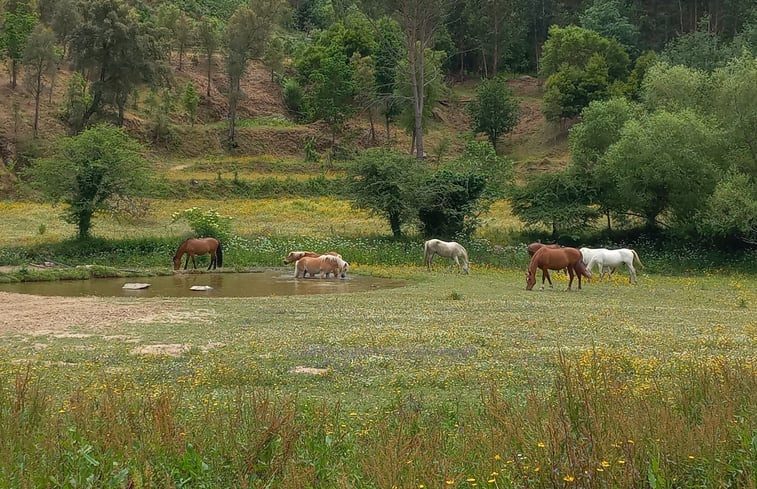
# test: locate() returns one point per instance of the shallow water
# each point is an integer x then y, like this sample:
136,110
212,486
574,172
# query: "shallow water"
252,284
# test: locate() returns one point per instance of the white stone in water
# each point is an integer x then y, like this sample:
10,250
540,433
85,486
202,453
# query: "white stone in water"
201,287
135,286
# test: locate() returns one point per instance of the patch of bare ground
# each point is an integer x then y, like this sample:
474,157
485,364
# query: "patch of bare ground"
308,370
169,349
39,315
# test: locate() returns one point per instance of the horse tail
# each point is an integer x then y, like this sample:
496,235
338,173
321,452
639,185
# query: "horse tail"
636,257
219,255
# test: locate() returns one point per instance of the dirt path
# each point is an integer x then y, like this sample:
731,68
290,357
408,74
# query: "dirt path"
32,314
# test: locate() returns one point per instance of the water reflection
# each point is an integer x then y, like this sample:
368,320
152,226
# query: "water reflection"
256,284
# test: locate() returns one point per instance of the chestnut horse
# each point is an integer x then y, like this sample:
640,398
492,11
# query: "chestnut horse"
556,259
199,246
534,247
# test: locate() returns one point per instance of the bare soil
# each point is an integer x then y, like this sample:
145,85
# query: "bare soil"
37,315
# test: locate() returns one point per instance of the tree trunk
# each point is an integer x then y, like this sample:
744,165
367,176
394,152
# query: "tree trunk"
609,222
13,73
395,223
233,97
388,133
373,129
181,57
495,47
210,60
417,68
84,223
37,96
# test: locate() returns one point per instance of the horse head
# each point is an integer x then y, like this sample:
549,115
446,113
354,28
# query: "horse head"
530,279
177,262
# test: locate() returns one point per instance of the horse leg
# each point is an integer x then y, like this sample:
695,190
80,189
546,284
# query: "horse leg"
194,263
570,273
186,263
631,273
457,262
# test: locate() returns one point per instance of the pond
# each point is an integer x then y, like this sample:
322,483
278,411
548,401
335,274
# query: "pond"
252,284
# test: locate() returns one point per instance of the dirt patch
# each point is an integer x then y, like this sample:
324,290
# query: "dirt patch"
36,315
308,370
172,349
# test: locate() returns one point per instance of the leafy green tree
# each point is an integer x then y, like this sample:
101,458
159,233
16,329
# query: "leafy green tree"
186,30
246,35
700,50
294,98
734,103
366,95
494,110
386,57
332,92
190,99
274,55
665,163
167,19
731,210
386,183
607,17
89,169
576,47
209,36
497,28
75,103
571,89
600,127
17,27
451,203
117,50
480,158
558,200
674,88
40,59
65,19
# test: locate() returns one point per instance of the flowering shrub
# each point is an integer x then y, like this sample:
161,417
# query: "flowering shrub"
207,223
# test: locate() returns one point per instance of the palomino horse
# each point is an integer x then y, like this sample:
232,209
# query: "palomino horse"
293,256
556,259
452,250
321,265
612,259
199,246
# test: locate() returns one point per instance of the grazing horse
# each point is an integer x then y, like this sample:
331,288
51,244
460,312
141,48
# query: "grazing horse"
452,250
199,246
321,265
556,259
588,255
534,247
612,259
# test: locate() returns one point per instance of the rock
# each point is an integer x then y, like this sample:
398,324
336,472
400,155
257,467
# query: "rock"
201,287
135,286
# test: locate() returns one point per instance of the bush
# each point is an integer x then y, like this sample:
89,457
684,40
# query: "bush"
294,98
205,223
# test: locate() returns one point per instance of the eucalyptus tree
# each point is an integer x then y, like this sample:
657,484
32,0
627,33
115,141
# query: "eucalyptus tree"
209,36
18,24
40,59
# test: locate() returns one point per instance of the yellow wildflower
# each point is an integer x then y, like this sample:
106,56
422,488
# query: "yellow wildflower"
568,478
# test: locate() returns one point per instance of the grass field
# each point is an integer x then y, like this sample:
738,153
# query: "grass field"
452,381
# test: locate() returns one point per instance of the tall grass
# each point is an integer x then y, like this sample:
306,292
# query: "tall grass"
597,427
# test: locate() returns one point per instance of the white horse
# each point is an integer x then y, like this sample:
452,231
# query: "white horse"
613,259
587,254
452,250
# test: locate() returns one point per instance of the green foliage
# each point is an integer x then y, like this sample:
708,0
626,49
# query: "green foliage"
332,91
731,210
571,89
480,158
40,59
209,37
17,27
88,170
159,108
665,162
574,46
274,55
673,88
112,42
75,103
608,19
190,99
66,18
494,111
205,223
699,50
386,183
450,203
557,200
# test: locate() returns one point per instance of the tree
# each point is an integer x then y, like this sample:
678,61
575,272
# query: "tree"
40,59
75,103
190,99
185,35
494,110
574,46
497,27
665,163
674,88
571,89
17,27
65,19
557,200
365,82
386,57
246,35
209,35
731,210
167,20
702,50
333,88
88,170
386,183
274,55
419,20
607,18
117,50
450,203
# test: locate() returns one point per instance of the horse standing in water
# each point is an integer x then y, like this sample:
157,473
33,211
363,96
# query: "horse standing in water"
556,259
452,250
199,246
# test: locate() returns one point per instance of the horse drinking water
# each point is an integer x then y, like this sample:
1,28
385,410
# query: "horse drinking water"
556,259
199,246
452,250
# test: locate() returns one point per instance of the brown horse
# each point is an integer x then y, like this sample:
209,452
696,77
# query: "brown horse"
534,247
199,246
556,259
